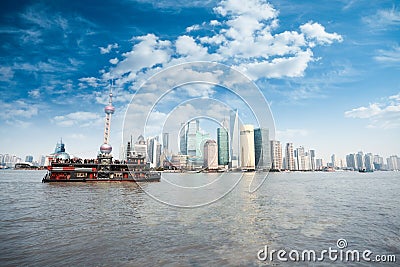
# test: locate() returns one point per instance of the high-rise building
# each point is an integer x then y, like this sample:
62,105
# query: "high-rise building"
154,152
300,159
191,137
165,142
360,160
351,161
312,160
234,142
201,138
289,155
333,161
276,155
182,140
262,150
393,163
247,149
223,146
29,158
210,155
140,147
319,164
369,162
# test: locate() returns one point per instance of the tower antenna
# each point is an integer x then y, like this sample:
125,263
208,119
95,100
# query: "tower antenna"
106,148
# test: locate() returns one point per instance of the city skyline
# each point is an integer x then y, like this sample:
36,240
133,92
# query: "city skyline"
329,70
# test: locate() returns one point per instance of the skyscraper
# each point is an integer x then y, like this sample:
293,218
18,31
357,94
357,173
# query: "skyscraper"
165,142
210,155
234,142
191,144
369,162
223,146
360,160
276,154
289,156
262,148
247,155
182,139
351,161
312,160
140,147
29,158
301,159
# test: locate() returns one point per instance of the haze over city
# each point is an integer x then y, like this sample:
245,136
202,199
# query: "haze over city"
328,69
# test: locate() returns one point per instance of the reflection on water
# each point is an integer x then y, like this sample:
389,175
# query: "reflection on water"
107,224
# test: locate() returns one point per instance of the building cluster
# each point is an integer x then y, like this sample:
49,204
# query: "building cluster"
371,162
237,146
9,161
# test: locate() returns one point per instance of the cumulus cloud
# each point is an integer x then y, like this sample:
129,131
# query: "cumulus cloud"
385,114
243,36
315,31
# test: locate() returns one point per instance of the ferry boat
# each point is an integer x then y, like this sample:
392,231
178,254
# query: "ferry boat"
102,169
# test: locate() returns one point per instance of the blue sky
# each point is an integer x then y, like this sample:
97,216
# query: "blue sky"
329,69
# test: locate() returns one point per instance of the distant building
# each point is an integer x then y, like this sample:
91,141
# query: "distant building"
29,159
234,142
223,146
289,156
262,150
333,161
313,164
210,155
393,163
319,164
300,158
369,162
191,137
154,152
276,155
182,140
360,160
351,161
247,149
140,147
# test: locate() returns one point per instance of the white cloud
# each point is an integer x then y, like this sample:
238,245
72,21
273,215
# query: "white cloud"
383,18
6,74
385,114
80,119
241,37
108,48
34,93
193,28
114,61
91,81
388,56
17,110
315,31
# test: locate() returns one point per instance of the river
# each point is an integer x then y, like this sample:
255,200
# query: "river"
124,224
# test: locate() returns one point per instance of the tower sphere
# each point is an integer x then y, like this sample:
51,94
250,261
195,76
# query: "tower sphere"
109,109
105,148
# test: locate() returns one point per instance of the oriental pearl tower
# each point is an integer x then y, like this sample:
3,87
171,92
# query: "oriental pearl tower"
106,148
